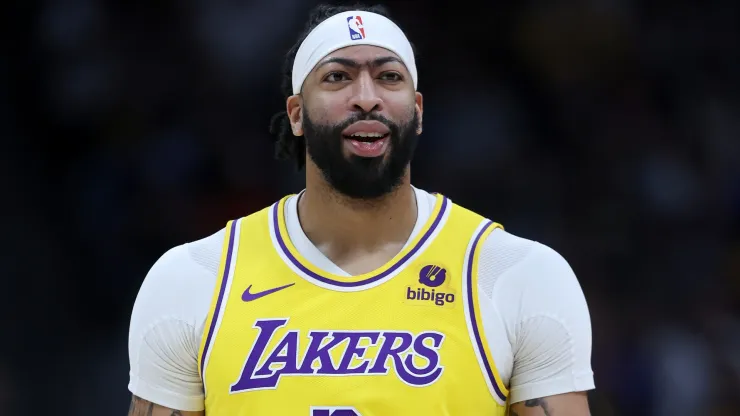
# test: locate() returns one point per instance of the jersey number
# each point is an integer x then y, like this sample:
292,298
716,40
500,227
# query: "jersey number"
334,411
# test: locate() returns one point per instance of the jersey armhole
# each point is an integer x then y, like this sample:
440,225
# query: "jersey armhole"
217,298
473,312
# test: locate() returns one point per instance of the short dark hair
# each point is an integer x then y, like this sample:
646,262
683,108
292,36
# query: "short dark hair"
287,145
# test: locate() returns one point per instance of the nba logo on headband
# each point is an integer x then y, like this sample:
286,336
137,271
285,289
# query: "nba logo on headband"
356,28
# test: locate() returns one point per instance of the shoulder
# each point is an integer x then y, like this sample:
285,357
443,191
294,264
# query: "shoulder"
167,324
190,265
177,290
178,287
533,279
527,263
543,313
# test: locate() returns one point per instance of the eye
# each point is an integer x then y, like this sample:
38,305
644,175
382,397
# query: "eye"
336,77
391,76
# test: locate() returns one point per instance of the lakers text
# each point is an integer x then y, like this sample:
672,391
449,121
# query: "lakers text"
337,353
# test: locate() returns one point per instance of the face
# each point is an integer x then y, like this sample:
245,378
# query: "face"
361,117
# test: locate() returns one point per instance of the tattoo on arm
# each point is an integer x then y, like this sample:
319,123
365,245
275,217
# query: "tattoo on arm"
539,403
141,407
533,403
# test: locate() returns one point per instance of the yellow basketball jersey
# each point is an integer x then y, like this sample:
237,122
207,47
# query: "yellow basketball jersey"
285,338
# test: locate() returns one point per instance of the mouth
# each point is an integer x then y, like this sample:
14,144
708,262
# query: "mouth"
368,148
367,138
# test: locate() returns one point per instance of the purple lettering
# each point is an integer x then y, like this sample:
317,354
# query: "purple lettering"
288,358
346,411
319,352
410,293
388,350
353,349
267,328
263,369
429,374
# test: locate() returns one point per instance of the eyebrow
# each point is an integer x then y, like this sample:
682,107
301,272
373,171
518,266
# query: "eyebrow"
354,64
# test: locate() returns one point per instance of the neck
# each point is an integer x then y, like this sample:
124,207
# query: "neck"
338,224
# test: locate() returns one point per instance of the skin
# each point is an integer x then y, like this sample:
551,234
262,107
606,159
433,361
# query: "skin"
568,404
141,407
358,236
361,236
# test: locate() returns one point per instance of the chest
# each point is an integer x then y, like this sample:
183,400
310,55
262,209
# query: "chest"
383,350
286,338
361,262
416,316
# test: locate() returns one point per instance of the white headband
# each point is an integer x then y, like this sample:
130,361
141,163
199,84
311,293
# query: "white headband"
346,29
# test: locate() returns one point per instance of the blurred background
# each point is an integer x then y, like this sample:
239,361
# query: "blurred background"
606,129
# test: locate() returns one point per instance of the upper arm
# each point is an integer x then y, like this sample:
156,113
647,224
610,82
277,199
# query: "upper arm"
165,332
141,407
570,404
547,320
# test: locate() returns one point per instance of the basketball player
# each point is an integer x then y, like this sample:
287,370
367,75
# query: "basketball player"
361,295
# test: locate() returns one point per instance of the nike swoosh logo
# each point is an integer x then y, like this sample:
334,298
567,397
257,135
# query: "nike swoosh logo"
248,297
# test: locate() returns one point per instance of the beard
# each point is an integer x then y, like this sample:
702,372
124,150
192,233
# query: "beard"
363,178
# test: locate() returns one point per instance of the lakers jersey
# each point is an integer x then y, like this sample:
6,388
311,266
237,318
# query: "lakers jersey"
286,338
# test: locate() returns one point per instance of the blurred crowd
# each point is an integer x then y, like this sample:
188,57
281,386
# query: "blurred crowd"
605,129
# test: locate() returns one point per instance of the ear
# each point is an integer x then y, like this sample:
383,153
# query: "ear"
419,110
294,107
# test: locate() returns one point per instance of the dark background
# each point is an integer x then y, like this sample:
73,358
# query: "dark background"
607,130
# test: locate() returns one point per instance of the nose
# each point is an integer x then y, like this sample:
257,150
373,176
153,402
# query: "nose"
365,96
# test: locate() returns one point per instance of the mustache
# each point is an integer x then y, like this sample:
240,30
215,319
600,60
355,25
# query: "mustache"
367,117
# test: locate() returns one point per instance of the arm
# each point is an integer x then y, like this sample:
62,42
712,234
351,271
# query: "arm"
141,407
166,330
546,319
562,404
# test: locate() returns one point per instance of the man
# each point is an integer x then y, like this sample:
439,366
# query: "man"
362,295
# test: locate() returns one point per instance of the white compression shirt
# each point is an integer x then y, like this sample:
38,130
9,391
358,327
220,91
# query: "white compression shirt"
533,311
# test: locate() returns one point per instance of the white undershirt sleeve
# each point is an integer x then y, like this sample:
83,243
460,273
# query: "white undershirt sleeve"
539,312
167,325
